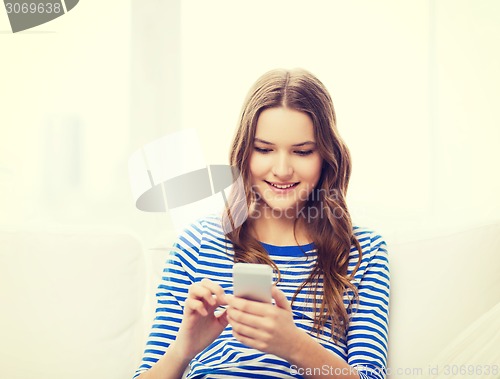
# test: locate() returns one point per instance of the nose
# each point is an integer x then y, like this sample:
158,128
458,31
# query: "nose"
282,167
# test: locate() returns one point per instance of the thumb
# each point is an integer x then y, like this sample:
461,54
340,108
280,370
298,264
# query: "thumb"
222,318
280,298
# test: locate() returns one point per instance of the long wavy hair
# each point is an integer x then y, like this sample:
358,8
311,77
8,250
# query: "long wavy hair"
332,233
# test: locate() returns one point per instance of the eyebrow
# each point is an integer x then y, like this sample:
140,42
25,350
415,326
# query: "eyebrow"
295,145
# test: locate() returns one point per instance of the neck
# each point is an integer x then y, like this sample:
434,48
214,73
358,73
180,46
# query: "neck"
279,231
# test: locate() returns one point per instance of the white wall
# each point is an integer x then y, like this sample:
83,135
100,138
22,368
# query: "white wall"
415,85
467,122
64,119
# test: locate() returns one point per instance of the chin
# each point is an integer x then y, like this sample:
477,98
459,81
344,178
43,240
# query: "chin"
279,210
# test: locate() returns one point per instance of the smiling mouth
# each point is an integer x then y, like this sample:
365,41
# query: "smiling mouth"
282,186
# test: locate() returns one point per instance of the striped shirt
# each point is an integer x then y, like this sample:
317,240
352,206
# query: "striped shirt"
202,251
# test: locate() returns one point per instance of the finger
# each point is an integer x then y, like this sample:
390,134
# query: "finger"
247,330
228,298
280,298
251,342
249,306
198,291
215,289
222,317
196,306
245,318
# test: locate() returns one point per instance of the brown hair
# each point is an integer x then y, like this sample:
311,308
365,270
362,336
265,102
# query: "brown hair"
332,234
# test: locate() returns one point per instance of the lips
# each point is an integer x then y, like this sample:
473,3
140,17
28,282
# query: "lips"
282,186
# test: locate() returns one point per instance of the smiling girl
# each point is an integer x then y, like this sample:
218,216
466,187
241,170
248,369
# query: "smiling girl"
331,296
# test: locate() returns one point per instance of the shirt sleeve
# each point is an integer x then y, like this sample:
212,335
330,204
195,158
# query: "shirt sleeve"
178,275
367,335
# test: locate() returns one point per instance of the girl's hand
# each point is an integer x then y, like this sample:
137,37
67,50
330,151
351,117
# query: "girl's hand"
200,327
265,327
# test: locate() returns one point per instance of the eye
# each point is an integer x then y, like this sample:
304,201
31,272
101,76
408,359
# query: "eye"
304,152
262,150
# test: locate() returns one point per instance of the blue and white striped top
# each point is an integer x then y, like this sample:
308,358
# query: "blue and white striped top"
207,253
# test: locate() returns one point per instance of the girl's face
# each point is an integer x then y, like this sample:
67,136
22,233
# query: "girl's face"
285,164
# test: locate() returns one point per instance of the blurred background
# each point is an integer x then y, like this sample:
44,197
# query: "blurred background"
415,84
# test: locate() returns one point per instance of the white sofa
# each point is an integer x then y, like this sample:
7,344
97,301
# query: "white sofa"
78,303
445,290
71,304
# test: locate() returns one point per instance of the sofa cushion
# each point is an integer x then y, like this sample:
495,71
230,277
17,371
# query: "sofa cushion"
475,353
439,286
71,304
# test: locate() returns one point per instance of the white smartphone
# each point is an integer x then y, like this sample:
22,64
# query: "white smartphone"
253,281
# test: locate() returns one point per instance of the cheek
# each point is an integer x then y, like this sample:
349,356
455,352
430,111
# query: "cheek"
311,171
256,166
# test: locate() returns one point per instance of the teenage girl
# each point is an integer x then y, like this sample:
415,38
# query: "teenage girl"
329,317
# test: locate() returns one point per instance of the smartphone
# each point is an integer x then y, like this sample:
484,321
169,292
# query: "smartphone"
253,281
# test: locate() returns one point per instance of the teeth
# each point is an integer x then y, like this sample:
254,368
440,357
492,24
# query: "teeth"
282,187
